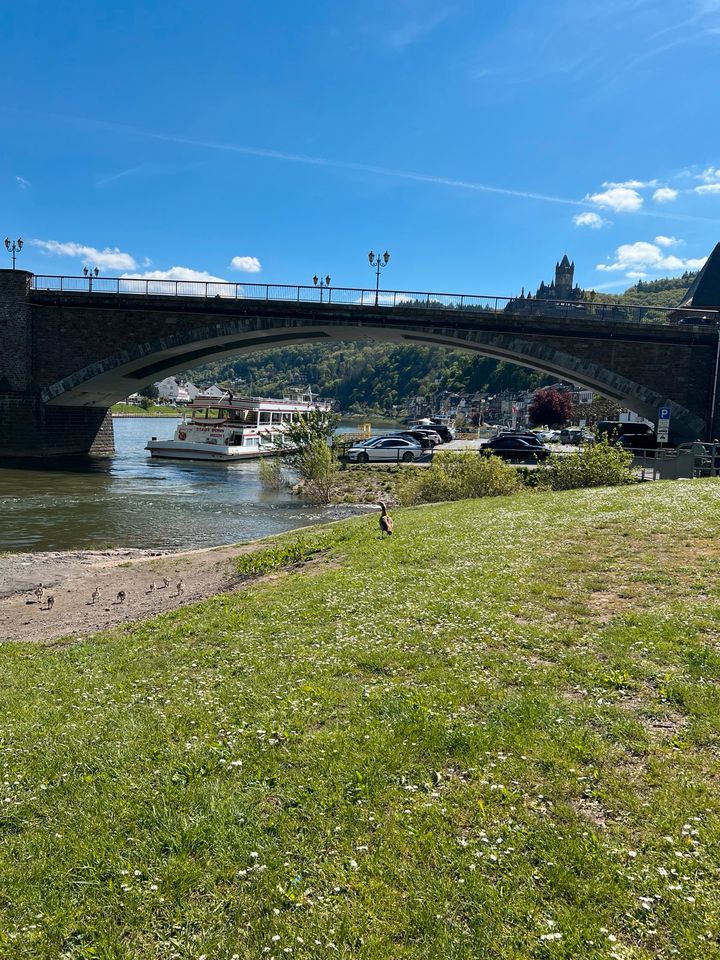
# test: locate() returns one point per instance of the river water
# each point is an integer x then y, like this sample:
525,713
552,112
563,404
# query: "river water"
129,500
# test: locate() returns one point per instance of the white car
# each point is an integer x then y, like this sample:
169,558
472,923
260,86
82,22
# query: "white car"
394,449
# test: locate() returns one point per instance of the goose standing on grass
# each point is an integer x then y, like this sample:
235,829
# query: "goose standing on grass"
39,591
121,597
386,521
180,588
95,595
50,602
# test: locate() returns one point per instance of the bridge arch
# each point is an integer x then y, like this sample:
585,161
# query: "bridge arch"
124,371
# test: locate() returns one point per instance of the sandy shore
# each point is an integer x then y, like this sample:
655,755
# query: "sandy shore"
72,577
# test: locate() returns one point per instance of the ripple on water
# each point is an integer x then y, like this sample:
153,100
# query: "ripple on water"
129,500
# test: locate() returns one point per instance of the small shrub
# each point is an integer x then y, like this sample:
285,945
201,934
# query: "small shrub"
601,465
458,476
271,477
318,467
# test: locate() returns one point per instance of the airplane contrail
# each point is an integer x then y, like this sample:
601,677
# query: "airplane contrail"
357,167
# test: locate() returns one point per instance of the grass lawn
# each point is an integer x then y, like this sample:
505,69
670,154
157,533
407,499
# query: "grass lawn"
493,735
154,410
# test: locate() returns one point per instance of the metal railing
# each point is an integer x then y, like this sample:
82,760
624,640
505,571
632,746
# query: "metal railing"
357,296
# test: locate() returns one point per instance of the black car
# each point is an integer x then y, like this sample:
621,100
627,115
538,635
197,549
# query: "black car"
512,447
446,434
426,438
698,321
636,441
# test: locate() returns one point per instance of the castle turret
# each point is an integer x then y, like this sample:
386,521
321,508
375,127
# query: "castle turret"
564,272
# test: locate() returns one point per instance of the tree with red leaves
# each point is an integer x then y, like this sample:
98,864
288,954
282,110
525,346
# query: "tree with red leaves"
550,408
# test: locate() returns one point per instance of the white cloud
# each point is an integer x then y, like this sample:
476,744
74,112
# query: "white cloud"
589,219
109,259
23,183
246,264
631,184
709,175
667,241
175,273
643,257
636,274
708,188
619,199
664,194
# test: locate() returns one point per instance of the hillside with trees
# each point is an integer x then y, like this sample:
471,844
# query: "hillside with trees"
371,377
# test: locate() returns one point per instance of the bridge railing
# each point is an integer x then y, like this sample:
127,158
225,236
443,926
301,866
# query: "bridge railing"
600,310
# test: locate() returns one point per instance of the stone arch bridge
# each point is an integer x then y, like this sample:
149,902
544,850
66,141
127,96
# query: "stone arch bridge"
70,347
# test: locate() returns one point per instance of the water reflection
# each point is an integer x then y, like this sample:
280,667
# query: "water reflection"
131,500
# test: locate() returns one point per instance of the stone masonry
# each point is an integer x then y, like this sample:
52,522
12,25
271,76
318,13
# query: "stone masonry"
66,356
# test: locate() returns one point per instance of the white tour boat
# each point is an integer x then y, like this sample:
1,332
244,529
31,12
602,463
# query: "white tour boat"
235,428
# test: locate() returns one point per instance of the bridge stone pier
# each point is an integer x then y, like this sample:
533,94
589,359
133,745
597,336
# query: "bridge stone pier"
67,355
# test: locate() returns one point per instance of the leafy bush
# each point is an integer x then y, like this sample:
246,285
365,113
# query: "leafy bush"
601,465
271,477
317,466
458,476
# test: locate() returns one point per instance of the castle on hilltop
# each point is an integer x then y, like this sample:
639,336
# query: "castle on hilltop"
561,289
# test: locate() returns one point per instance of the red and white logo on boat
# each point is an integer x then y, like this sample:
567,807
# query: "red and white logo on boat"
181,435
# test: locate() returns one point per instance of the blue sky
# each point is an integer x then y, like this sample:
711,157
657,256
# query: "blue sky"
477,142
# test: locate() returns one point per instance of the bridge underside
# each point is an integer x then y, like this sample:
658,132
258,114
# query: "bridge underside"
68,357
115,377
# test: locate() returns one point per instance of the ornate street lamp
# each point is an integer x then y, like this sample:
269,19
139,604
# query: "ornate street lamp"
13,247
91,272
322,283
376,262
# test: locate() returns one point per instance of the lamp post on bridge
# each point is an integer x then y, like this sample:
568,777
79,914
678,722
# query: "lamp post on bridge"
13,247
377,261
322,283
91,272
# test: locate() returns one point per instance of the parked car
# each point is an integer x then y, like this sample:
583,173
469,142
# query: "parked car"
638,441
576,436
426,438
698,321
615,430
445,432
514,447
394,449
553,436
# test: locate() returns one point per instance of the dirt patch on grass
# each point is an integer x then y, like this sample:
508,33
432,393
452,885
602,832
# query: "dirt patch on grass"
151,584
591,810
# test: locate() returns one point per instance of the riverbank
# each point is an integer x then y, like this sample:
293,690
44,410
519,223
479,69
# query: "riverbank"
152,581
493,735
154,410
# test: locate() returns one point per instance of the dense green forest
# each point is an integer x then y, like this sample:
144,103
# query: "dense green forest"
373,377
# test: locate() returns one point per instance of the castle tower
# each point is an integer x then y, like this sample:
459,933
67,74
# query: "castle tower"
564,278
